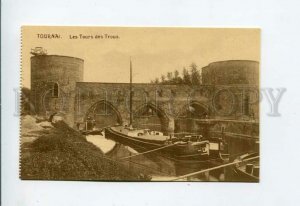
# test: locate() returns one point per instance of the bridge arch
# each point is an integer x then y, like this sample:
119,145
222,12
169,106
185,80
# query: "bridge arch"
194,109
187,119
149,111
103,110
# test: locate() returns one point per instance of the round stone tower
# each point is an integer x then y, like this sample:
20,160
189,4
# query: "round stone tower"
237,88
53,84
231,72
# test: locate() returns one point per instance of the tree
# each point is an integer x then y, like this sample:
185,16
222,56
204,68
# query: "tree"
170,76
177,78
176,74
163,78
26,105
195,76
191,76
186,77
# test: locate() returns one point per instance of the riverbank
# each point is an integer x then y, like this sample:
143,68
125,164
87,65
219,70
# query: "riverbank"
57,152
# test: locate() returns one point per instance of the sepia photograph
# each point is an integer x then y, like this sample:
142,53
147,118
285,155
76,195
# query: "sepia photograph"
140,104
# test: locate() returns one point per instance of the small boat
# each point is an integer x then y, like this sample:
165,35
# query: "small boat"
247,171
192,147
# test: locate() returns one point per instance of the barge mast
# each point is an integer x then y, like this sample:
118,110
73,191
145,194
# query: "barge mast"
130,100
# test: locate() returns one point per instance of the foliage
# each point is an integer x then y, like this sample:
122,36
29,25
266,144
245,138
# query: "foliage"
191,76
26,105
64,154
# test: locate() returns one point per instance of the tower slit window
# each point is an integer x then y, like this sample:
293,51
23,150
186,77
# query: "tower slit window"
55,92
246,105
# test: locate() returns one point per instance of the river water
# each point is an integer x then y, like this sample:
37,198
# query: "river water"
156,166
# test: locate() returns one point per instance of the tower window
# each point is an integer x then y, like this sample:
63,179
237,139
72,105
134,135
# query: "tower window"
246,105
55,90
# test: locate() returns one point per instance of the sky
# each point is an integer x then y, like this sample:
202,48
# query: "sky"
154,51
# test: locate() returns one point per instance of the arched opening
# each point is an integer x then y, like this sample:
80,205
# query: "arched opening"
150,116
190,118
103,114
55,91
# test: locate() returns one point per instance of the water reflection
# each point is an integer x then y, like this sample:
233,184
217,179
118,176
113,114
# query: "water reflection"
106,145
155,164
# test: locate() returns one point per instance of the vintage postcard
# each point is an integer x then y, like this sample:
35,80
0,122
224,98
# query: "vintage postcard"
140,104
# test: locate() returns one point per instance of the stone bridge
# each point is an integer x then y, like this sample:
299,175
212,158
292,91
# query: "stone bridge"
170,103
229,95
